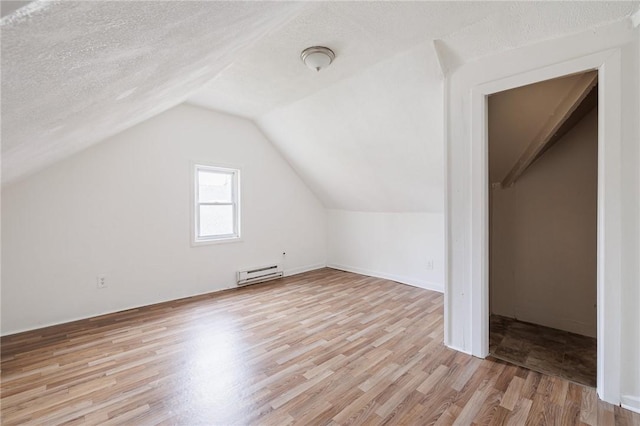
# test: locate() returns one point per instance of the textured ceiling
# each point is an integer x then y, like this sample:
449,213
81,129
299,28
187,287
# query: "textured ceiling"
74,73
365,134
270,73
7,7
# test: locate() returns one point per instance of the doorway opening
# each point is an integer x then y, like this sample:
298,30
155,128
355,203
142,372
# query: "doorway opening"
543,216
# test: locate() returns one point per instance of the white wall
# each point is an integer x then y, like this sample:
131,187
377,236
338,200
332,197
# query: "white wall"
122,208
461,201
396,246
370,147
373,141
543,236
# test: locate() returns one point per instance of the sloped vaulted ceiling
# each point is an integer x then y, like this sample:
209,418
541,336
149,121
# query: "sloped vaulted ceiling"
371,142
74,73
365,134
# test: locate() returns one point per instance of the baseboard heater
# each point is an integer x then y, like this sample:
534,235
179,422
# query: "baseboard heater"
258,275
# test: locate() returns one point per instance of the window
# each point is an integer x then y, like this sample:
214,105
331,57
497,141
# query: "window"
217,204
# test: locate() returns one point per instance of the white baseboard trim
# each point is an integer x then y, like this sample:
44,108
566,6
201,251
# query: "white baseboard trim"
303,269
113,311
630,402
455,348
288,272
399,278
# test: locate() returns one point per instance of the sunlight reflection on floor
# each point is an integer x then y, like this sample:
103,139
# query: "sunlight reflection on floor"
216,382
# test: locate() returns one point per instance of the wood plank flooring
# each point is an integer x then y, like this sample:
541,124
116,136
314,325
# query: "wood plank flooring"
325,347
544,349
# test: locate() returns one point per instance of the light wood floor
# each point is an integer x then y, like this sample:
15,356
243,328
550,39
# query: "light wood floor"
325,347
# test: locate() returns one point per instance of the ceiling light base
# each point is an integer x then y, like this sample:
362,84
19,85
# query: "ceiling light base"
317,57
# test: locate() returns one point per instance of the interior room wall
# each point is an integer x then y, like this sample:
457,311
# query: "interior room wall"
122,209
371,142
370,146
543,237
460,199
404,247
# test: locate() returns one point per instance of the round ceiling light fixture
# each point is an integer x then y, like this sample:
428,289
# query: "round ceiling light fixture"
317,57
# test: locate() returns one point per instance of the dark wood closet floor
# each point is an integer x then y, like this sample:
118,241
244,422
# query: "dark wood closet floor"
543,349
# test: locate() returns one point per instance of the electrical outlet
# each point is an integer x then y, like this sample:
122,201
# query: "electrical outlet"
430,264
101,281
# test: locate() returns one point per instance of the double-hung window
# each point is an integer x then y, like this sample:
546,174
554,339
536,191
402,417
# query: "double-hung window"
217,204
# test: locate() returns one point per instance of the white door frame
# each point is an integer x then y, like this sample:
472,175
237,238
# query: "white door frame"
608,64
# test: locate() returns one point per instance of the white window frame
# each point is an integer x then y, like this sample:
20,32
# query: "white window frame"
196,239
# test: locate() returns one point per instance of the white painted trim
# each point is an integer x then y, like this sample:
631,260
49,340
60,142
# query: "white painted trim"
196,240
609,264
630,402
479,225
155,302
399,278
455,348
608,64
447,213
303,269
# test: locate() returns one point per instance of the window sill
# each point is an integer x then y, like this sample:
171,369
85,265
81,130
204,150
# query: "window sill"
198,243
